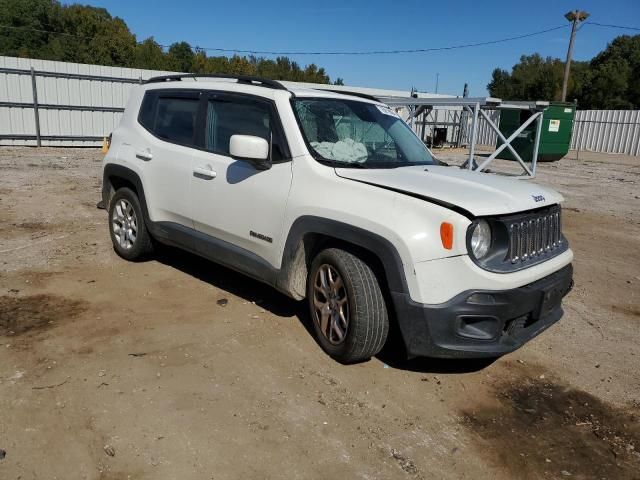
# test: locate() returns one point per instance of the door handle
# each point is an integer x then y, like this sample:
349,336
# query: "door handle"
204,173
144,155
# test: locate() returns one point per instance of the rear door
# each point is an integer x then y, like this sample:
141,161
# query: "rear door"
232,200
165,152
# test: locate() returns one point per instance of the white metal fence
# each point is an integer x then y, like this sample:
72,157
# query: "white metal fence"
74,104
61,103
610,131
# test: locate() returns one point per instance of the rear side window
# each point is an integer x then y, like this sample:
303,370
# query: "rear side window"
171,118
227,117
146,117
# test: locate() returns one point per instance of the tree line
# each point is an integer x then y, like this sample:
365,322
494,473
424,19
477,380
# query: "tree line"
49,30
611,80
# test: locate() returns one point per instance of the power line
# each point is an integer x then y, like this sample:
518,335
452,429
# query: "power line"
612,26
30,29
373,52
385,52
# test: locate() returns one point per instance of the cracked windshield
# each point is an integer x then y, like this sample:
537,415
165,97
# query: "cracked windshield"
360,135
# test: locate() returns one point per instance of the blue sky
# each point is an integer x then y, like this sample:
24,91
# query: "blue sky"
383,25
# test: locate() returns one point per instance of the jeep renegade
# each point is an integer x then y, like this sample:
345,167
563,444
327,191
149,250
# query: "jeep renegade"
332,198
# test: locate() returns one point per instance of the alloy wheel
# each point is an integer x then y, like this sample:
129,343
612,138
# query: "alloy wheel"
125,224
330,304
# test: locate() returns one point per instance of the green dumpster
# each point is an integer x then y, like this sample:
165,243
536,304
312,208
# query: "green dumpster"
555,137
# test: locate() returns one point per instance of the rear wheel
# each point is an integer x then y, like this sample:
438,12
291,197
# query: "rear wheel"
347,306
129,234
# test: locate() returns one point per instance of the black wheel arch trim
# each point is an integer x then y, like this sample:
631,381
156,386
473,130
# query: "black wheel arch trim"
372,242
112,170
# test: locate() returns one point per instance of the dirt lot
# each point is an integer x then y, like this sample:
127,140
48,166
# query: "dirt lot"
116,370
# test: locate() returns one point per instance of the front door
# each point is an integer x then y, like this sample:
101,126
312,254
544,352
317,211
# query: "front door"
232,200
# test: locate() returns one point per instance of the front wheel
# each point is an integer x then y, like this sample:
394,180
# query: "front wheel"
347,306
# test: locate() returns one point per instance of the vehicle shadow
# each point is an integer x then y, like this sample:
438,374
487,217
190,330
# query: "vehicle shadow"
394,356
235,284
268,298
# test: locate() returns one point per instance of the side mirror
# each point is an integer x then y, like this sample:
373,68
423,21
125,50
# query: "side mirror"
253,149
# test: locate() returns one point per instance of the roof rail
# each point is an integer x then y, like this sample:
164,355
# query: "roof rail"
247,79
347,92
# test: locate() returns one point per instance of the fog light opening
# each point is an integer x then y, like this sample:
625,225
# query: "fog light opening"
481,299
478,327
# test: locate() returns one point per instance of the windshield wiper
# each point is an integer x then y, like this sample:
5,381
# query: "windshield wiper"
338,164
397,164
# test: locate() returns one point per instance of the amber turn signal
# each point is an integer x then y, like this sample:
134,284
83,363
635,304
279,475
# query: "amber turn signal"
446,235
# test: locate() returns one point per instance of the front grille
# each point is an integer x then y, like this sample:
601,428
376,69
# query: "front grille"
535,236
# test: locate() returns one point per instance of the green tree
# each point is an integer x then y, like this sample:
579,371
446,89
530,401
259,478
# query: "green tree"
537,78
180,57
241,66
49,30
609,85
27,17
611,80
314,74
615,79
92,35
217,65
148,54
579,81
500,84
199,64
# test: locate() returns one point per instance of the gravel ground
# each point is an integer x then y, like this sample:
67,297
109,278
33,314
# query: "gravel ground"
178,368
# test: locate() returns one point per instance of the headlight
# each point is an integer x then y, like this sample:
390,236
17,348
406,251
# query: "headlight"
481,239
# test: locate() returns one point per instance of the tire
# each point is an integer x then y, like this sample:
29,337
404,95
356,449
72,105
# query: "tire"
343,290
125,215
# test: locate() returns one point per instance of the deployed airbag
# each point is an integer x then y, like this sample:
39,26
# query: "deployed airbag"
345,150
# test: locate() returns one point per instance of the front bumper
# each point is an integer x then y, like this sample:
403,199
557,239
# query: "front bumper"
482,323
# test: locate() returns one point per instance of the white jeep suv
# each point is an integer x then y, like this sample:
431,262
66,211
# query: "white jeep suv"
332,197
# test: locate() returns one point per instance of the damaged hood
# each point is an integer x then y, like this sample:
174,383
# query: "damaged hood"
479,194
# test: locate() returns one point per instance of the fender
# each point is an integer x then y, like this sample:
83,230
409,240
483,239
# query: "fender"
114,170
378,245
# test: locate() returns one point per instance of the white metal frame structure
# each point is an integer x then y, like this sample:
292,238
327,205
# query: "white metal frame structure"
477,107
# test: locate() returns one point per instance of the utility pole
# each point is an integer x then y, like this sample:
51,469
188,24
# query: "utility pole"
575,17
437,81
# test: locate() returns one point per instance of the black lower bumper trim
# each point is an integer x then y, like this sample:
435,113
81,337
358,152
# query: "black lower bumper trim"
482,323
